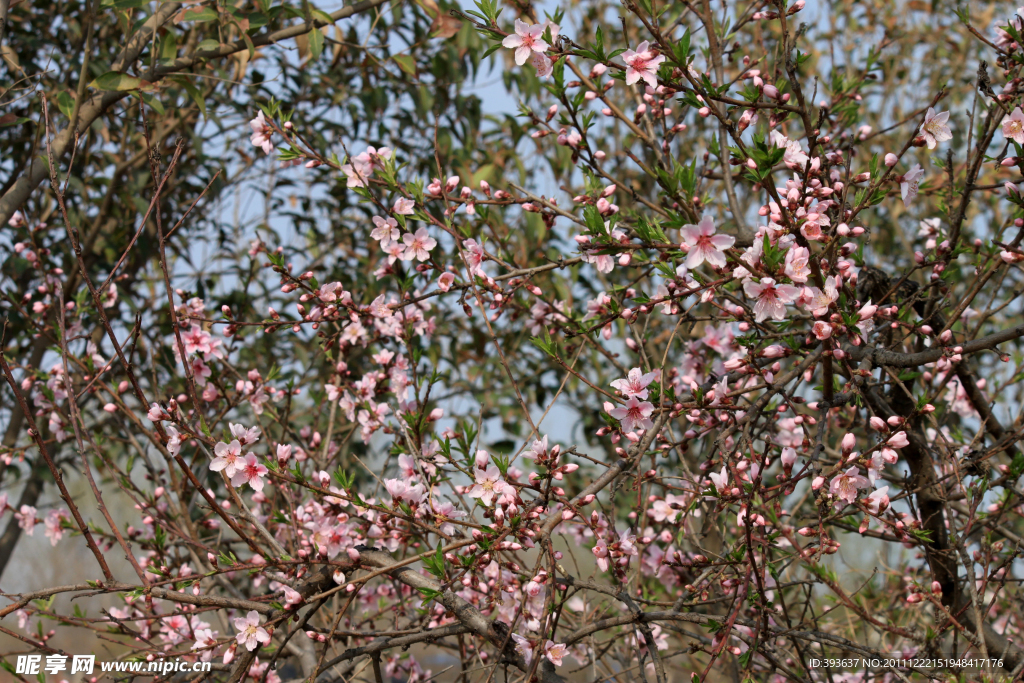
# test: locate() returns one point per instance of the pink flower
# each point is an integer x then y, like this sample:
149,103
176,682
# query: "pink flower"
720,479
822,330
173,440
878,501
444,283
404,207
798,264
157,414
444,511
1013,126
380,309
634,414
542,64
642,64
261,132
251,634
899,440
250,471
818,301
908,185
523,647
934,128
488,484
331,291
525,40
26,516
386,231
418,246
555,652
844,486
229,457
795,157
245,436
704,244
17,220
601,553
475,257
771,298
404,489
635,383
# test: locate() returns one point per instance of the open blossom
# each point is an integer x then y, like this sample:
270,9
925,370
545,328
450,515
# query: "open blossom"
642,64
261,132
544,66
634,414
1013,126
26,516
908,185
771,298
555,652
704,244
404,207
822,330
205,640
878,500
418,246
157,414
173,440
488,485
818,301
794,157
249,471
250,633
525,40
844,486
386,231
444,283
523,647
635,383
444,511
404,489
934,128
380,309
798,267
720,479
244,435
229,457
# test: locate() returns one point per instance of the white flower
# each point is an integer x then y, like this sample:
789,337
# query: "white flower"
934,128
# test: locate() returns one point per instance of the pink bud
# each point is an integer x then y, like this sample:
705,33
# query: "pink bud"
898,440
891,159
849,443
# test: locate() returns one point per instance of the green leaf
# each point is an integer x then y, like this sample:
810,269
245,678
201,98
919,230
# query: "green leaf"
406,63
124,4
113,80
316,44
200,14
193,92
